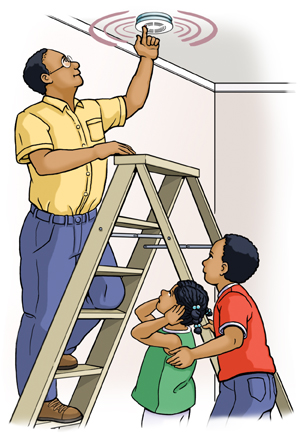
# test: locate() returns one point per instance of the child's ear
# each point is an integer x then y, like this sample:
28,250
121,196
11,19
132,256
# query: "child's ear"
224,268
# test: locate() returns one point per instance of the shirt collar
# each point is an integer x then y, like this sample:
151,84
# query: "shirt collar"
61,104
225,288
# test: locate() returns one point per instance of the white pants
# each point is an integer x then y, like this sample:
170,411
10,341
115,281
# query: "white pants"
151,419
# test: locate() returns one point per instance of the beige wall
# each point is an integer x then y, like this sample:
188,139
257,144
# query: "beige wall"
257,197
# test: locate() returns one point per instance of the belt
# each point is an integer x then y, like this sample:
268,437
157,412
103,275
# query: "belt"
61,220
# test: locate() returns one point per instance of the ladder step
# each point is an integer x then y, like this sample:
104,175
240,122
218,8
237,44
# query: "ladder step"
117,271
55,425
128,222
80,370
100,314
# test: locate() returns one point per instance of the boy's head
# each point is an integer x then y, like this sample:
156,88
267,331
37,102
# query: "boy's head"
234,258
192,296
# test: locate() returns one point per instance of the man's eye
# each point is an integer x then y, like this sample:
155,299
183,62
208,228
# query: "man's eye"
169,293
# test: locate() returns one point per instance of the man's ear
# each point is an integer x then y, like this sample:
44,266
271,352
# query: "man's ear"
224,268
46,78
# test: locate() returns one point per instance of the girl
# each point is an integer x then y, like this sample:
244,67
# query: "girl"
167,393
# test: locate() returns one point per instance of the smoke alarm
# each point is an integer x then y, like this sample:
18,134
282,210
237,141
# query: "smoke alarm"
156,22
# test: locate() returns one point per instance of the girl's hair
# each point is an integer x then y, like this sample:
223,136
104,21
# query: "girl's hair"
190,294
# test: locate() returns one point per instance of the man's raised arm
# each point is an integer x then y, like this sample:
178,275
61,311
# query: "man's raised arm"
147,48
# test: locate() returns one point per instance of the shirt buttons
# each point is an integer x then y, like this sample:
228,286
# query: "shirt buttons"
88,174
83,144
85,193
78,126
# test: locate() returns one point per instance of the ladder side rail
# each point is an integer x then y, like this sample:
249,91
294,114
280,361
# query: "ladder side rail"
87,390
172,244
282,401
204,209
42,374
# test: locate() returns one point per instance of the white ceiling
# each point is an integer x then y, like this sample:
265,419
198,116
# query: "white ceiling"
251,45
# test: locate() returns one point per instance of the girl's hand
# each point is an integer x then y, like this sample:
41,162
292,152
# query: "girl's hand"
174,314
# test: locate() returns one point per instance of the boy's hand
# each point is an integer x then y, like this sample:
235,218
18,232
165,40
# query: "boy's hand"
173,315
181,357
209,325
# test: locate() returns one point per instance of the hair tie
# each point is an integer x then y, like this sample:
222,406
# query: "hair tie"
196,307
197,325
208,312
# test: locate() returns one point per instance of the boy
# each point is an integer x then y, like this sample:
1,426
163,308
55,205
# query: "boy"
246,376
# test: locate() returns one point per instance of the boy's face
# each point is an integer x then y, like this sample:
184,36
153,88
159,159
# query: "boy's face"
214,267
167,300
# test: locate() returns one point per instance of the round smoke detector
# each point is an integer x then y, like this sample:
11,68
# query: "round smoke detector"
156,22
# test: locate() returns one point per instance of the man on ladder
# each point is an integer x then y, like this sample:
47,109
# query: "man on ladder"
62,141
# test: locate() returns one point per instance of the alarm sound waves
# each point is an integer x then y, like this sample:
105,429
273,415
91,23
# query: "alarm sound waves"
195,30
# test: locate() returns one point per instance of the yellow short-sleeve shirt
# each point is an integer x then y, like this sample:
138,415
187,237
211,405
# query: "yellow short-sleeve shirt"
51,124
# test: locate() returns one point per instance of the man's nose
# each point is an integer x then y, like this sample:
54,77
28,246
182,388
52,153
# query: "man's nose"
75,64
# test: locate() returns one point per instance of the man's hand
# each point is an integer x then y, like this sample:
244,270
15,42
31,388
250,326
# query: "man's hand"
146,46
181,357
173,315
104,150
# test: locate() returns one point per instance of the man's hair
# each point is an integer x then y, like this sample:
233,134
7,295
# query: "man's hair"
190,294
33,70
241,256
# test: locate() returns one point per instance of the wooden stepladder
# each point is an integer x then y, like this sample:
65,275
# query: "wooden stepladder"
153,229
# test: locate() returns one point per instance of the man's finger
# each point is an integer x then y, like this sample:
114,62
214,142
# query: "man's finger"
149,41
156,42
153,41
144,36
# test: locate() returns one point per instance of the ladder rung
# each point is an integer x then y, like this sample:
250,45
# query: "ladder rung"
100,314
117,271
135,235
128,222
188,246
80,370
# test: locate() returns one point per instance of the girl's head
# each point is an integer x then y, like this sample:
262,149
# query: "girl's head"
190,294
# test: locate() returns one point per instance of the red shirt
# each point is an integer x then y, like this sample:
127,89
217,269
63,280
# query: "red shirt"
235,307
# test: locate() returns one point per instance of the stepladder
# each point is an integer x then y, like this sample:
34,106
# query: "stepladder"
153,229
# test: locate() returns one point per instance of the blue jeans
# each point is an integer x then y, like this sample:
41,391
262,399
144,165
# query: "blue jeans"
50,246
247,395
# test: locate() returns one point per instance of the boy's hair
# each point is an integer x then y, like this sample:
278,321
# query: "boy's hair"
190,294
241,256
33,70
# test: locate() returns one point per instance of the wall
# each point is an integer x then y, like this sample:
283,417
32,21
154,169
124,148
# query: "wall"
257,192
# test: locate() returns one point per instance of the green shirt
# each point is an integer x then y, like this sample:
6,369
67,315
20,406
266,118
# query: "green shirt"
162,388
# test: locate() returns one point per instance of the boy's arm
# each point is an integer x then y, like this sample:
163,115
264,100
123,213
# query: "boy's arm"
183,357
144,311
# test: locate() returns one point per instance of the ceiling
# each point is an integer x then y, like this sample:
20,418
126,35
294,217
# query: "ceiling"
248,47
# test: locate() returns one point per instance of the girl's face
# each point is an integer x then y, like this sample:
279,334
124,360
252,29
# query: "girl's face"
167,300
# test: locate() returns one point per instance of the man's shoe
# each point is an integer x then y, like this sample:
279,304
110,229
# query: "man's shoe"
67,362
54,410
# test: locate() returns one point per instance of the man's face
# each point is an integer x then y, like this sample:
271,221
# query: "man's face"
214,266
61,77
167,300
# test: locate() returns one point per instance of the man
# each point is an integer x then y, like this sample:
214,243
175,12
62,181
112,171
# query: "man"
62,140
246,376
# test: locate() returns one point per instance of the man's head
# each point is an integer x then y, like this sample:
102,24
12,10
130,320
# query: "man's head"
48,69
233,258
